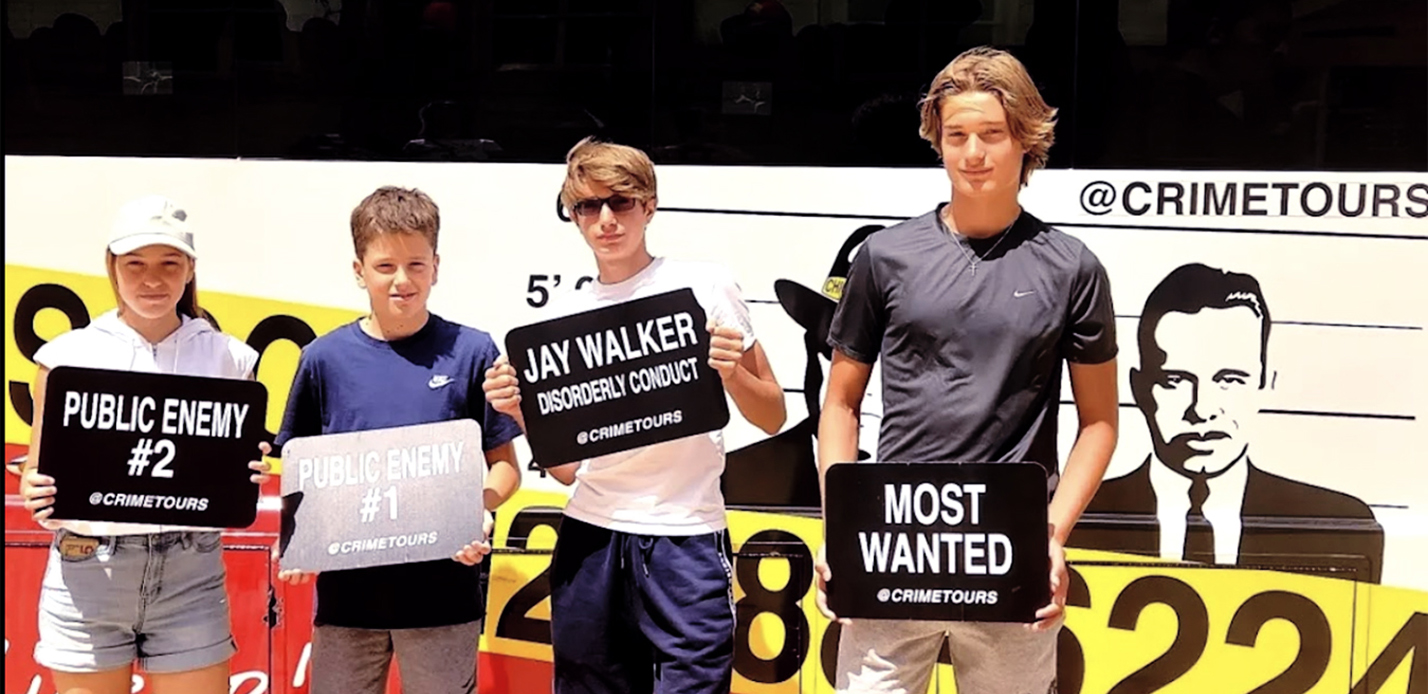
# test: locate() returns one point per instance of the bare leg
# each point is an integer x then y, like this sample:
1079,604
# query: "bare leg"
210,680
117,681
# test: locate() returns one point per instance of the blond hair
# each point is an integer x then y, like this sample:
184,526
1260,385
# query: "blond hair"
623,169
1031,121
393,210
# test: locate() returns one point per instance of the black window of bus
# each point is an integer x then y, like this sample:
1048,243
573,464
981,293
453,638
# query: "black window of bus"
1254,84
1224,84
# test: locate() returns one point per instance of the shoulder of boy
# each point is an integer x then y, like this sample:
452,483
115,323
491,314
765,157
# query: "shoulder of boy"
479,335
480,344
569,302
324,349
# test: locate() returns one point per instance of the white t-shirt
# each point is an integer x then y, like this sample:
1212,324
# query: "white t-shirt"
195,349
669,488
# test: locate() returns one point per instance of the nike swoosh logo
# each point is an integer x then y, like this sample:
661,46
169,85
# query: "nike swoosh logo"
1019,295
438,381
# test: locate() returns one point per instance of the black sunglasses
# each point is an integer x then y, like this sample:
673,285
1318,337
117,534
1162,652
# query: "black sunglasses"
592,206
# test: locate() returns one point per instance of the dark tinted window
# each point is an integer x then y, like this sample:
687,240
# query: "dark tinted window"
1254,84
1257,84
787,84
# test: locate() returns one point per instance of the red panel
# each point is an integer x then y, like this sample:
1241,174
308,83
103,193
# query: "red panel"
504,673
24,569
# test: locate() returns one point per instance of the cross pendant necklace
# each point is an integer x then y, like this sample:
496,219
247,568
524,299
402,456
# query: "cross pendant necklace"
966,246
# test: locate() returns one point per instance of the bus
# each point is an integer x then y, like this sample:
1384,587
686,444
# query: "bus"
1283,140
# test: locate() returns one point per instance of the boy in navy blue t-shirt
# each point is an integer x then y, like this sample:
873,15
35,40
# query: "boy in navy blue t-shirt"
398,366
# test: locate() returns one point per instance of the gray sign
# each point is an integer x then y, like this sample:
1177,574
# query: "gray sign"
383,496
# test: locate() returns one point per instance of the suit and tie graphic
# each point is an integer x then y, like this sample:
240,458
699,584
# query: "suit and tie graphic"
1198,497
1284,525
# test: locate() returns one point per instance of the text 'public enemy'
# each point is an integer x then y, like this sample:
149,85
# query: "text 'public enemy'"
175,417
393,464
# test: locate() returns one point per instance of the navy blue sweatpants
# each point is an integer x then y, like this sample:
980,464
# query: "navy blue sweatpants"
639,613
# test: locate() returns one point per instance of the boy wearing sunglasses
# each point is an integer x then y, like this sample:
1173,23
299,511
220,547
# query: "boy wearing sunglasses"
641,593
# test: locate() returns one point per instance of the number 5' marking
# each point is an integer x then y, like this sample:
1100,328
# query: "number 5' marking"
540,295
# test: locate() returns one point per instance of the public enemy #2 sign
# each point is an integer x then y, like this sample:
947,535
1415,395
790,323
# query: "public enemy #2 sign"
938,541
152,448
382,496
617,378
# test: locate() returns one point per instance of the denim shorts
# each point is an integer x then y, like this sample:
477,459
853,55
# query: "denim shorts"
158,599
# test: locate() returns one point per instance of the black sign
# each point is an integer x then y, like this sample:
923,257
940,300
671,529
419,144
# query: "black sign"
938,541
617,378
382,496
152,448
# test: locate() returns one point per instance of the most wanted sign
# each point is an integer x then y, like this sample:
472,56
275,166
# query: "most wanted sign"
617,378
938,541
137,447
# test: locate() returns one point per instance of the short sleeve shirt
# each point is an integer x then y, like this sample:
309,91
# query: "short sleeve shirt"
971,361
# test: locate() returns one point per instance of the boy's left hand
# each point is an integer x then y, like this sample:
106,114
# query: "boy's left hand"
473,553
1047,617
261,467
726,348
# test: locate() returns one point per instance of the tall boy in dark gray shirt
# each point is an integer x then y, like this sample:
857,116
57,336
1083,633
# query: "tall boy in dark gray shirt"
972,308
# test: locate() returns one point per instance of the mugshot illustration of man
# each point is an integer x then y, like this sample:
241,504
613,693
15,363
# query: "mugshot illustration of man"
1204,363
781,471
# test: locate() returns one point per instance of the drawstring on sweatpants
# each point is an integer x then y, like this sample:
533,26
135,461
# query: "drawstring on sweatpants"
647,544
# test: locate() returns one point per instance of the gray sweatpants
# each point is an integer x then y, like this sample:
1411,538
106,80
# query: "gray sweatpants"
897,657
437,660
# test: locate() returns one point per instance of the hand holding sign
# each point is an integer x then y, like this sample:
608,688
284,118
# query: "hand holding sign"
261,467
293,577
473,553
726,348
1060,583
503,389
822,575
38,491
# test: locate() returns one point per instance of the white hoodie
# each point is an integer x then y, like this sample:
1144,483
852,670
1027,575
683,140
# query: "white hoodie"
195,349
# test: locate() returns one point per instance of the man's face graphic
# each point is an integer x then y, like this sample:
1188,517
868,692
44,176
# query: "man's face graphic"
1200,401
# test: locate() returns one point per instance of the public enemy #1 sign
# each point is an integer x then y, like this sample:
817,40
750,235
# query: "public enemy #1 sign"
617,378
152,448
382,496
938,541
